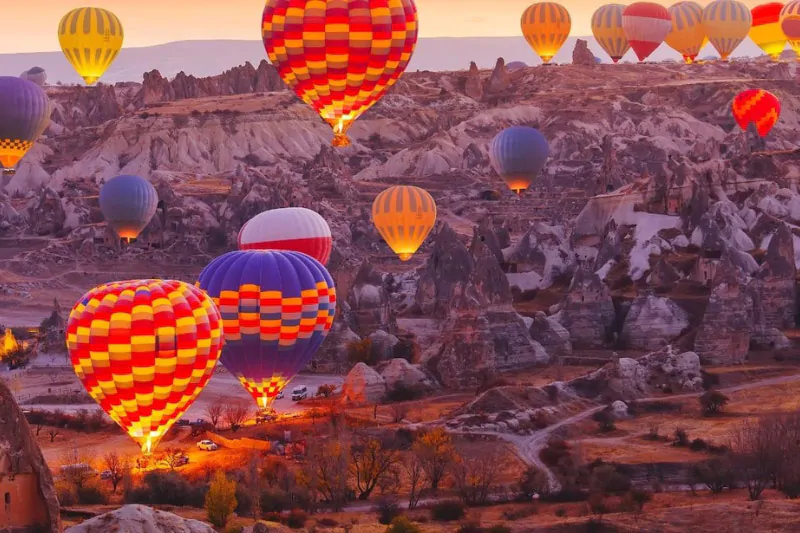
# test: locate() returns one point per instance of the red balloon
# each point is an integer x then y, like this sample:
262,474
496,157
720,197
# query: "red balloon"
758,106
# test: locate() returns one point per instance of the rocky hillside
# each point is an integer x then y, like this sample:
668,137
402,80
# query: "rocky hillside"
654,214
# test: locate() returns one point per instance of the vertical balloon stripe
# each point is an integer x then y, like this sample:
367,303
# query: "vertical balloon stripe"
726,24
608,32
546,27
687,36
404,216
90,39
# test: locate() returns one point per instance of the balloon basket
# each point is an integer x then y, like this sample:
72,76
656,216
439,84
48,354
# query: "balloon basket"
404,257
340,140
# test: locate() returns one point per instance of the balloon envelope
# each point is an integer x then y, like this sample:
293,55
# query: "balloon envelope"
726,23
128,203
687,35
289,228
90,38
646,24
37,75
790,24
24,115
766,30
758,106
546,26
340,57
518,155
144,349
277,307
608,32
404,216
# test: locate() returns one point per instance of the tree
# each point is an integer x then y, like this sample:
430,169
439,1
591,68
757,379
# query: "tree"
172,457
236,414
54,432
220,499
753,455
415,471
371,464
532,482
475,476
401,524
326,471
715,473
635,499
117,468
326,390
254,484
605,419
214,412
712,402
436,451
76,468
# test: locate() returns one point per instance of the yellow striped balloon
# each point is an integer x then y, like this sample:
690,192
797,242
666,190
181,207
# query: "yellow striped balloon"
726,23
608,32
790,24
404,216
91,38
687,35
546,27
766,30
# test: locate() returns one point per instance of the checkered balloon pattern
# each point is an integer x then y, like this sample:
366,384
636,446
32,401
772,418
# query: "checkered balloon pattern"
144,349
340,56
277,307
758,106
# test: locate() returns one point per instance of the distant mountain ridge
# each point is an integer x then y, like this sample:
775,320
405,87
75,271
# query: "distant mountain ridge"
208,58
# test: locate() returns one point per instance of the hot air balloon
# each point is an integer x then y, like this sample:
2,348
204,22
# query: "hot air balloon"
144,349
277,307
790,25
36,74
687,35
646,25
518,155
24,115
289,228
340,57
90,38
608,32
546,26
766,30
757,106
128,203
726,23
404,216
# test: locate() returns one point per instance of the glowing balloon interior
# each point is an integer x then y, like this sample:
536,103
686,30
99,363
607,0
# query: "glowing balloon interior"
90,38
404,216
144,349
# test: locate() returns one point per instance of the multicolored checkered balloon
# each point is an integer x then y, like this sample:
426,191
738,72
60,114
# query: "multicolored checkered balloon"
340,56
757,106
144,349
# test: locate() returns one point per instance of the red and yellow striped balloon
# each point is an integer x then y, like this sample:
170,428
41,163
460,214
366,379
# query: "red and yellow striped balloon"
766,30
790,25
758,106
144,349
340,56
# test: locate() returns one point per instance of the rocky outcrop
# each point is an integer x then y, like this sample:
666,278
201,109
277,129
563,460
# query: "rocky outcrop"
663,275
446,272
587,311
24,473
775,283
553,337
370,307
46,212
140,519
543,255
499,82
581,55
473,85
653,322
363,385
399,372
243,79
328,176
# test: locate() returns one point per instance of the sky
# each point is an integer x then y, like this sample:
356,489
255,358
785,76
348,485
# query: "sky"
30,26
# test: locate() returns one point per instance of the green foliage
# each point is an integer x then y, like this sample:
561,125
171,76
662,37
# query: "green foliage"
220,499
401,524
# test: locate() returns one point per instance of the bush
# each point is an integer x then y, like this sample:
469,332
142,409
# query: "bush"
712,402
327,522
297,518
556,450
606,479
403,393
220,499
274,501
605,419
167,488
698,445
522,512
387,511
67,493
709,380
401,524
470,527
561,512
681,437
448,511
498,529
91,494
532,482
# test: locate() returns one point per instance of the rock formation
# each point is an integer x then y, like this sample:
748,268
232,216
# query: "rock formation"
31,504
653,322
553,337
581,55
775,283
369,303
587,311
363,385
473,85
140,519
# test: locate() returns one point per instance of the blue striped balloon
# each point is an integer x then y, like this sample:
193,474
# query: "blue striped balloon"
24,115
277,307
518,155
128,203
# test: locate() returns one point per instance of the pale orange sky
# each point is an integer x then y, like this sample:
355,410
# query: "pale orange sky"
30,26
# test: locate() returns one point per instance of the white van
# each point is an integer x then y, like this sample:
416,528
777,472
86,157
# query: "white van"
300,392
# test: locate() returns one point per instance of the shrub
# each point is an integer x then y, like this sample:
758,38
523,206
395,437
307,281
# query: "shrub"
67,493
470,527
499,529
327,522
448,511
681,437
91,494
297,518
636,498
220,499
532,481
522,512
167,488
387,511
607,479
561,512
712,402
698,445
401,524
403,393
605,419
556,450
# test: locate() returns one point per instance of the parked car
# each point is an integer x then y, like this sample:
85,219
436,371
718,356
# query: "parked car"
184,422
299,393
207,445
78,467
198,422
182,459
105,474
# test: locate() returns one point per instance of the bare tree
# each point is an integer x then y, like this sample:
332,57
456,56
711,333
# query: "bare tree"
475,476
214,413
372,464
236,414
54,432
117,467
172,457
754,455
399,412
76,467
326,471
415,472
254,484
435,450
